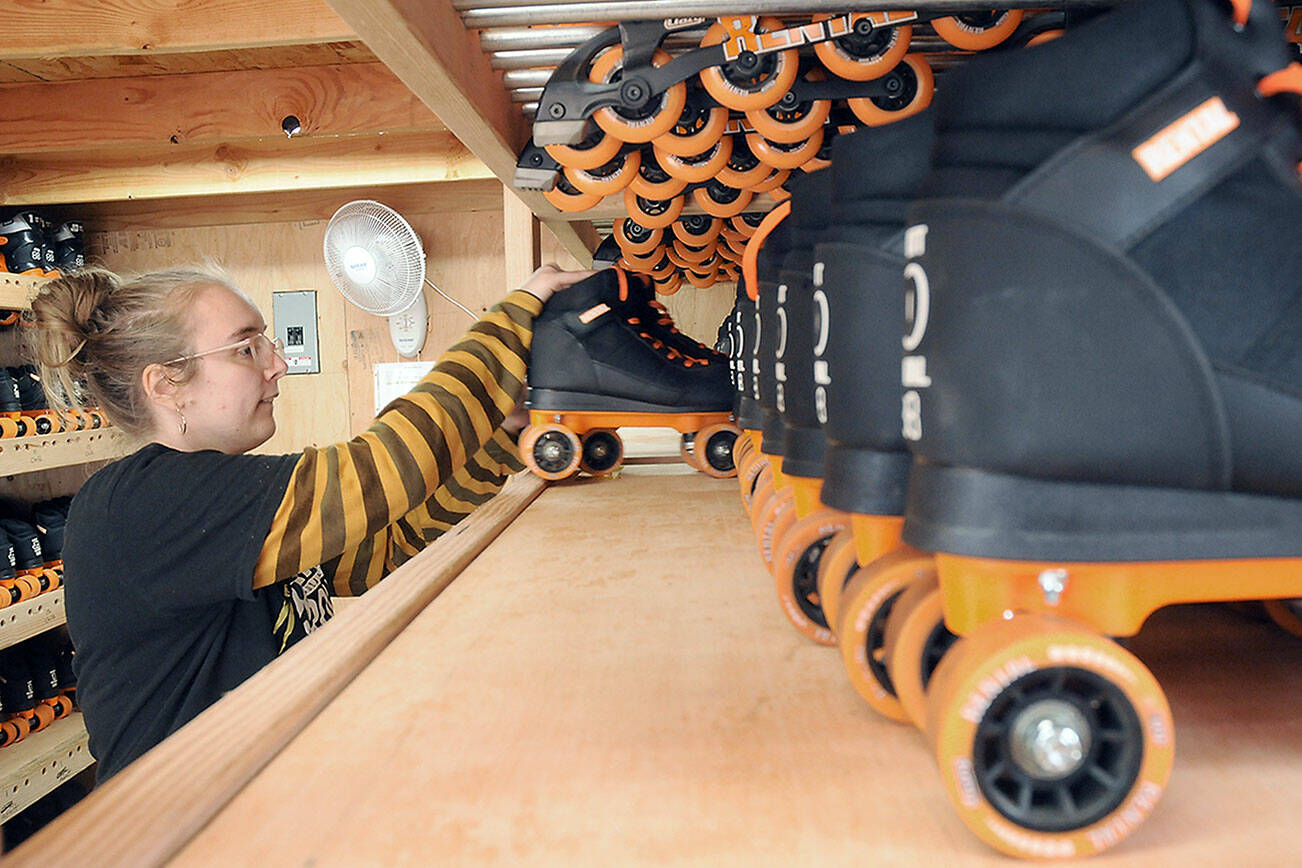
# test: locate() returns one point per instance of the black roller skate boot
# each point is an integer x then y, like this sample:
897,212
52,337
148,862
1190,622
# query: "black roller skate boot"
69,243
803,530
858,298
22,246
592,371
768,249
1103,391
45,677
35,405
29,557
50,518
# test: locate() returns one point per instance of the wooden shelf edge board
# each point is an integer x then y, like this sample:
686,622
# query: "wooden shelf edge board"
146,814
18,290
26,454
39,763
31,617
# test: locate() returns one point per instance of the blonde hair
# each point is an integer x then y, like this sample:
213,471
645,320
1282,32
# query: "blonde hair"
96,333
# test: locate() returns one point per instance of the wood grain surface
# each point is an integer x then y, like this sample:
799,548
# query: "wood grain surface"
613,683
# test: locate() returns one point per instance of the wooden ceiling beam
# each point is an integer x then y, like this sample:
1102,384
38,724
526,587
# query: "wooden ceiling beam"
80,28
210,107
157,172
426,45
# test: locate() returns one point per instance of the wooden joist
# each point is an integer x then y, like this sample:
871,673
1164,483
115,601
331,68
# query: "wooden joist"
71,28
213,107
254,167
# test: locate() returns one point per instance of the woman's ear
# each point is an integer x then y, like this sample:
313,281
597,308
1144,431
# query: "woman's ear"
159,388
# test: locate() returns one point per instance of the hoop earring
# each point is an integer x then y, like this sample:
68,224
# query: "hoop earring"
180,425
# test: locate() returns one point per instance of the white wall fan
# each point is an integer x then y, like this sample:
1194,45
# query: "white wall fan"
376,260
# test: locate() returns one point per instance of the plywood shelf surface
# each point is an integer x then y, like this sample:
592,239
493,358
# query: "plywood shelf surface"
612,682
31,617
17,290
39,763
26,454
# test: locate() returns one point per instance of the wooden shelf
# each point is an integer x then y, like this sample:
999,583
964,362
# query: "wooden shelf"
25,454
40,762
31,617
17,290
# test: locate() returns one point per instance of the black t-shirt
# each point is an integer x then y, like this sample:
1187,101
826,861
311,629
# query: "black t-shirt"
159,560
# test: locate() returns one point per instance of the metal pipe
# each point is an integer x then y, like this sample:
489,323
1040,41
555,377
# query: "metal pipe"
509,39
521,13
507,60
522,78
526,94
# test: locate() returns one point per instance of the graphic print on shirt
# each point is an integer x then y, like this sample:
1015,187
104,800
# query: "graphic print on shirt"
306,606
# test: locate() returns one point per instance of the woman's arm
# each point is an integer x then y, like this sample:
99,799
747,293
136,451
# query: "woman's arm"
360,568
342,495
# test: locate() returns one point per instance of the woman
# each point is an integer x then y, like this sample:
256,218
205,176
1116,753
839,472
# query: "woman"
190,564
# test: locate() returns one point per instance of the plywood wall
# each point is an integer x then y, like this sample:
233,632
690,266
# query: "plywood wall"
464,258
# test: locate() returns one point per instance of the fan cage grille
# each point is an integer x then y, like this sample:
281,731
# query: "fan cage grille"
378,236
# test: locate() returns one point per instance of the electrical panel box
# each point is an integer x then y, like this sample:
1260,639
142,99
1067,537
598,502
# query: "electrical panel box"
293,315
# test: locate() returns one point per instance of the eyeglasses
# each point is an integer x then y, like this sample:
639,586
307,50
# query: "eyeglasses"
258,350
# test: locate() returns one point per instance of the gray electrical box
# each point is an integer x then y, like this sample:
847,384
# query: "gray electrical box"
294,317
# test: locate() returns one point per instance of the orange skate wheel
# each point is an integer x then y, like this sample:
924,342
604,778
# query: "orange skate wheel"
699,128
976,31
1285,613
18,727
632,237
668,285
691,257
764,492
641,126
1052,741
863,612
752,80
551,451
746,224
780,155
870,52
596,149
697,229
566,197
663,270
835,567
713,448
912,86
794,122
752,478
743,169
10,427
652,213
644,263
60,705
702,280
696,168
795,571
1046,36
608,178
653,182
916,641
721,200
10,733
776,179
771,520
39,717
603,452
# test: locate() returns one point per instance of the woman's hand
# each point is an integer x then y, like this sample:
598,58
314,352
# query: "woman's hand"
544,282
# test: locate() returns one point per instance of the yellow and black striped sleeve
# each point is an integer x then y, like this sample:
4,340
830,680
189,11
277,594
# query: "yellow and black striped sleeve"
340,497
471,485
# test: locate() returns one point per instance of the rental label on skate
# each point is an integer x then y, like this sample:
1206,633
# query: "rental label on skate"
1179,142
917,308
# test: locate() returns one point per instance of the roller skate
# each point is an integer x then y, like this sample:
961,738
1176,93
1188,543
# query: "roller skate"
1103,393
597,363
23,246
802,526
27,714
14,588
49,692
35,406
50,518
29,557
69,247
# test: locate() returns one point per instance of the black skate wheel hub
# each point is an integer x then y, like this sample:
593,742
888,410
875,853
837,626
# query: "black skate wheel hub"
1014,771
805,581
553,452
718,452
939,640
601,451
875,643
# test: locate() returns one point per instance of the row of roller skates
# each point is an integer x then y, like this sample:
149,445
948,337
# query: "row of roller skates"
663,113
1018,371
25,408
32,549
606,355
37,685
33,245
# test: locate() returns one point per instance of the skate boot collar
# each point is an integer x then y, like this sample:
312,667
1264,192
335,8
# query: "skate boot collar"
890,161
750,261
